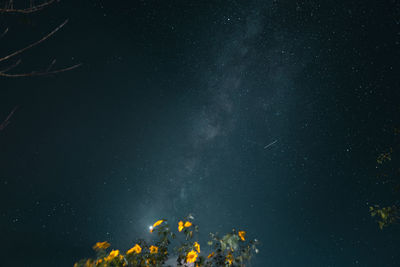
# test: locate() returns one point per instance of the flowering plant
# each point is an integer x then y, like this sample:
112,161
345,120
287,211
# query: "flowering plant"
231,250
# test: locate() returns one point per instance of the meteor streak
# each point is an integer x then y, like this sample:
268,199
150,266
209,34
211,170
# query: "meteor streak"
270,144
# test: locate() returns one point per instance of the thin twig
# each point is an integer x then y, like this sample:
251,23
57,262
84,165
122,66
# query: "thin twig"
51,65
4,33
7,120
11,67
28,10
36,73
34,44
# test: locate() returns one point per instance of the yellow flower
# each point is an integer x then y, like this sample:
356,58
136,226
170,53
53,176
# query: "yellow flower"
101,245
242,234
149,262
191,256
112,255
229,258
153,249
197,246
210,255
99,261
157,223
137,249
89,263
180,226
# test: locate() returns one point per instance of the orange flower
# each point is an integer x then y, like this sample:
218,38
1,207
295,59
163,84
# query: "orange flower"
101,245
191,256
197,246
137,249
242,234
153,249
229,258
180,226
157,223
89,263
112,255
210,255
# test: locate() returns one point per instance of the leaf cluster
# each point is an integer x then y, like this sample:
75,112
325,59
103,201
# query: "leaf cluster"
385,216
389,175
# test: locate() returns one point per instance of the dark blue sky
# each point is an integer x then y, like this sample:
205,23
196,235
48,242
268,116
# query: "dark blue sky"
170,114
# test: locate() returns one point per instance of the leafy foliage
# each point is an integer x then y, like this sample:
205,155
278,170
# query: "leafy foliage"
388,174
386,215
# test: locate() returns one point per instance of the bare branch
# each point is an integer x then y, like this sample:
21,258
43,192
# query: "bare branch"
33,44
4,33
7,120
33,8
11,67
38,73
51,65
3,73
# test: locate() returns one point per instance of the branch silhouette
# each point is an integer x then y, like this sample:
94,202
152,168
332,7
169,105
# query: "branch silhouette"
9,8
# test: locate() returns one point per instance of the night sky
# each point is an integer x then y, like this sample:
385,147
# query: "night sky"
265,116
